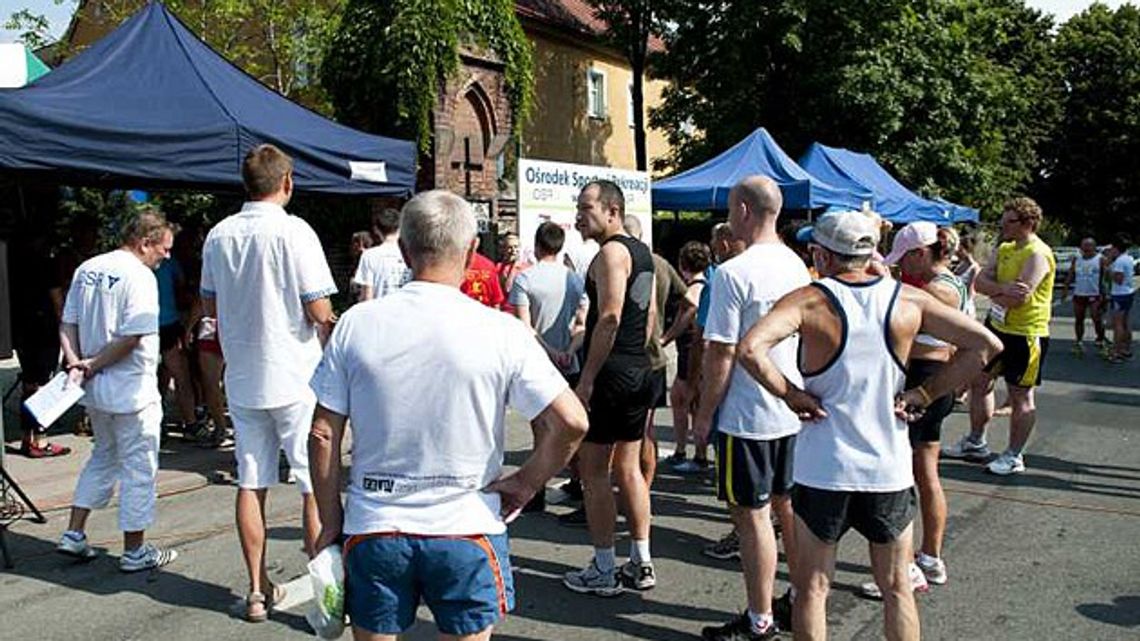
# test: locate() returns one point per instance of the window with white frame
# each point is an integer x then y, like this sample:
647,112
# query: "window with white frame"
595,94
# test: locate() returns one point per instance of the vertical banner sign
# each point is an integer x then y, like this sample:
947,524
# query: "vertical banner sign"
548,191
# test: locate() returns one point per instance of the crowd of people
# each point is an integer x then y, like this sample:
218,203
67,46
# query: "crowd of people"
817,365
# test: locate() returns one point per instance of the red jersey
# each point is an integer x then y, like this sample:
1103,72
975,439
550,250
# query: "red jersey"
482,282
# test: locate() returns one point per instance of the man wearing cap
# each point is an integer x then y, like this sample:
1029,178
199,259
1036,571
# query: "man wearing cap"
1019,283
755,433
851,467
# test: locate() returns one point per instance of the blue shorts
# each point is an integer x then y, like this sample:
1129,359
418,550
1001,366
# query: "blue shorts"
1122,304
464,580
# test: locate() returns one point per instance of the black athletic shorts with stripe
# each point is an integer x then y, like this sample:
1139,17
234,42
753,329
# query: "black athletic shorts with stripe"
1021,360
749,472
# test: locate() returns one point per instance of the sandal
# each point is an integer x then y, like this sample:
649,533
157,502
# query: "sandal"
258,606
48,450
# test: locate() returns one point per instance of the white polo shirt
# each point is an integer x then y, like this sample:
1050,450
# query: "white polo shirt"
743,290
383,269
425,375
1124,264
262,265
114,295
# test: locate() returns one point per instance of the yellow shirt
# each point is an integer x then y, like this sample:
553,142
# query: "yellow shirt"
1031,318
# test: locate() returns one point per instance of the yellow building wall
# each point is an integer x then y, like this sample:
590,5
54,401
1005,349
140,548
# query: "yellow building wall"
560,128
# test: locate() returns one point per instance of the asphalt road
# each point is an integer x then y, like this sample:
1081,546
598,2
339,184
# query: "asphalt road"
1050,554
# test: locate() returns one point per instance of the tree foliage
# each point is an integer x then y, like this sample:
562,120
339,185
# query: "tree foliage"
279,42
1093,180
390,59
956,96
33,29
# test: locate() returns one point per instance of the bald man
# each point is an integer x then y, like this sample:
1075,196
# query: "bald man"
754,432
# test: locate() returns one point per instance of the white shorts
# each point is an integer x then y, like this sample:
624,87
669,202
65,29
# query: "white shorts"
125,452
260,433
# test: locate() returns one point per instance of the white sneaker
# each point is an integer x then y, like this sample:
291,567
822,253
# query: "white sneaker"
1006,464
918,582
639,576
934,568
147,557
967,449
75,544
591,580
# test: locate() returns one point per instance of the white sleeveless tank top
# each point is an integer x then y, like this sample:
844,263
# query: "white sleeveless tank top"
861,446
1087,280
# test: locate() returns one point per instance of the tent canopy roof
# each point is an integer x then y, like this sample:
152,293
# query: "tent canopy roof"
891,199
151,105
706,186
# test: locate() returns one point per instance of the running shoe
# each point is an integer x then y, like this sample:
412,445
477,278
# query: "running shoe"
967,449
727,548
739,629
75,544
918,582
689,467
591,580
782,611
1079,349
934,568
147,557
676,459
639,576
572,488
1006,464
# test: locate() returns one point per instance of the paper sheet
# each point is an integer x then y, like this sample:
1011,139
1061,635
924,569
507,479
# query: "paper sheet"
53,399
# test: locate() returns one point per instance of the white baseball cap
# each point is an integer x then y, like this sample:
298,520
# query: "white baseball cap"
850,233
913,236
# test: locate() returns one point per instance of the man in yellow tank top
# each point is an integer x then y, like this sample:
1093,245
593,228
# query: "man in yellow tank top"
1019,282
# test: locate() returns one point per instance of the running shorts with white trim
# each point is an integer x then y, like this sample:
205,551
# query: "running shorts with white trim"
881,517
464,580
749,472
1122,303
1021,360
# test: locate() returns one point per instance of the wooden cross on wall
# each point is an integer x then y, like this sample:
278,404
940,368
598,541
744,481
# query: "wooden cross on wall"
467,165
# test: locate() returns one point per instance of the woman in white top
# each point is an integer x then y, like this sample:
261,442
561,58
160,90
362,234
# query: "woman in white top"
923,253
1122,291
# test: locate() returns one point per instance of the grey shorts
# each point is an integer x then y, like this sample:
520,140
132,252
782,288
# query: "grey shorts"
879,516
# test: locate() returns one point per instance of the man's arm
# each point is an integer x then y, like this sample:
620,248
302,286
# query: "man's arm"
1035,269
784,319
112,352
986,281
1118,276
612,268
562,426
209,306
716,367
365,293
976,347
320,312
325,438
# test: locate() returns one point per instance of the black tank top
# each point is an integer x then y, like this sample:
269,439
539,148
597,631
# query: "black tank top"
629,343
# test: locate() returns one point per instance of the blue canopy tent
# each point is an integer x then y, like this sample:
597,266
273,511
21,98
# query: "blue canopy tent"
151,105
895,202
706,186
960,213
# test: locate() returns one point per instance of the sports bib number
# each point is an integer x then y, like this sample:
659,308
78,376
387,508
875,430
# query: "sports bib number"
997,313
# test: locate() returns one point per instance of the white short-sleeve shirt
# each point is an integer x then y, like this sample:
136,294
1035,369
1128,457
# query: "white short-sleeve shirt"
425,375
743,290
262,265
1124,264
114,295
383,269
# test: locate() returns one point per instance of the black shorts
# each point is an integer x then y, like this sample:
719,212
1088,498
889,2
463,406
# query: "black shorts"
683,350
928,428
749,472
881,517
623,393
169,336
1022,358
660,389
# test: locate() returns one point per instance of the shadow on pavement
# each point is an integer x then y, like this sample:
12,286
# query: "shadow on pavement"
1124,611
975,473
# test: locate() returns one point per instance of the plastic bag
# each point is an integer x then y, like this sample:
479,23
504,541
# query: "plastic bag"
326,614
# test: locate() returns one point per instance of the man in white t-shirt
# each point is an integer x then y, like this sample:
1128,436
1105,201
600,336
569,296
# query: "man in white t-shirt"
109,337
1122,292
382,270
755,433
425,375
265,278
852,464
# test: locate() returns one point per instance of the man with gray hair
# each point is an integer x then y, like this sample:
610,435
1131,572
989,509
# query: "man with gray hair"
425,375
109,337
